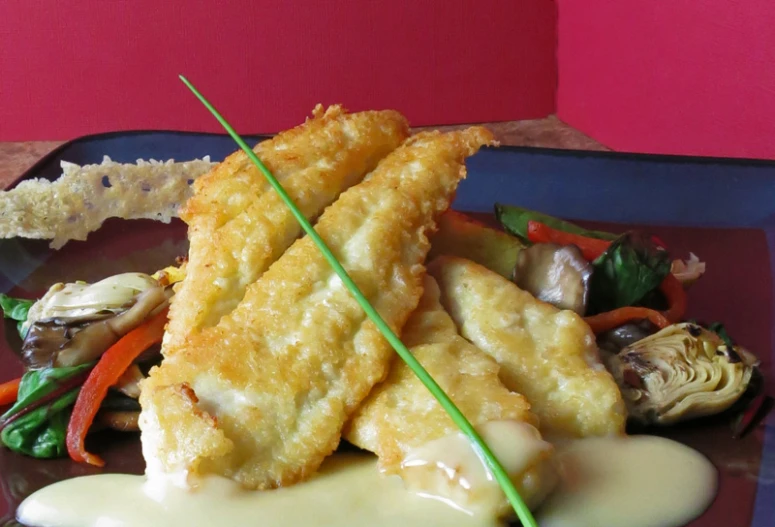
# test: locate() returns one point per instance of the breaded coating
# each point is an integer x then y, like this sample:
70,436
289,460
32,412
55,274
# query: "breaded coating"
548,355
238,225
274,381
400,415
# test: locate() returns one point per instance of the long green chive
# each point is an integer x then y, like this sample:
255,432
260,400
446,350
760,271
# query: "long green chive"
501,476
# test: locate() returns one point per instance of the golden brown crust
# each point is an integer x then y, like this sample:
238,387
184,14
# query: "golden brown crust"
238,226
546,354
285,369
400,414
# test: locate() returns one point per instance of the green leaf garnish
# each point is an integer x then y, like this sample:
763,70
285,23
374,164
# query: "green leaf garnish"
16,309
36,425
631,268
501,476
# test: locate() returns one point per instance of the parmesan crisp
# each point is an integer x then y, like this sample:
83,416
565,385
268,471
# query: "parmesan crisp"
85,196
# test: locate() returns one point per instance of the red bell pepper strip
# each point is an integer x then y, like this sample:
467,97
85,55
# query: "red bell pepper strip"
675,294
105,374
658,241
591,248
613,319
8,391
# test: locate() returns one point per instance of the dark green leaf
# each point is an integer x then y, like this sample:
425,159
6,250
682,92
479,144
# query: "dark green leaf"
719,329
118,402
514,220
655,300
631,268
41,432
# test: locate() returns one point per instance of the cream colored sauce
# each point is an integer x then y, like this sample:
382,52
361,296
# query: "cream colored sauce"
451,470
639,481
349,492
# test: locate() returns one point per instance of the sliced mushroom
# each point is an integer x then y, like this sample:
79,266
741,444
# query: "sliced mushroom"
90,343
129,382
74,340
555,274
121,421
615,340
682,372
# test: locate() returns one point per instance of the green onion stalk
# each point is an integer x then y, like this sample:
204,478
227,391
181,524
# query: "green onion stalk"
484,451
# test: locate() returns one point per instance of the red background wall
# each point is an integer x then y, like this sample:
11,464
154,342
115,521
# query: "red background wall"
78,67
677,76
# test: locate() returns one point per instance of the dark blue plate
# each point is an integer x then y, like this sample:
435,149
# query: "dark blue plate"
723,210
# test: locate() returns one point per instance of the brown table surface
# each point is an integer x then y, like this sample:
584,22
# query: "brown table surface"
16,157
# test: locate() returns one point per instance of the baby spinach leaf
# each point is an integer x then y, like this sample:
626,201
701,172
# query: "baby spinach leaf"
632,267
37,424
16,309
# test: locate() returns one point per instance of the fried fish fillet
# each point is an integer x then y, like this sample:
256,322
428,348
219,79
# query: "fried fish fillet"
400,415
238,225
548,355
262,396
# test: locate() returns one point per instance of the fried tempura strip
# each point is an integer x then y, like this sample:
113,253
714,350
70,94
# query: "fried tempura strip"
238,226
548,355
276,379
400,415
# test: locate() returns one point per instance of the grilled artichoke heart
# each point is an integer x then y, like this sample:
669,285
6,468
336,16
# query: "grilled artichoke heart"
682,372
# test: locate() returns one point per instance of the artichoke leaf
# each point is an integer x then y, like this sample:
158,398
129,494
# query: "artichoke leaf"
680,373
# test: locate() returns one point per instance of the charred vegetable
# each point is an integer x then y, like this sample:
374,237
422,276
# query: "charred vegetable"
555,274
682,372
